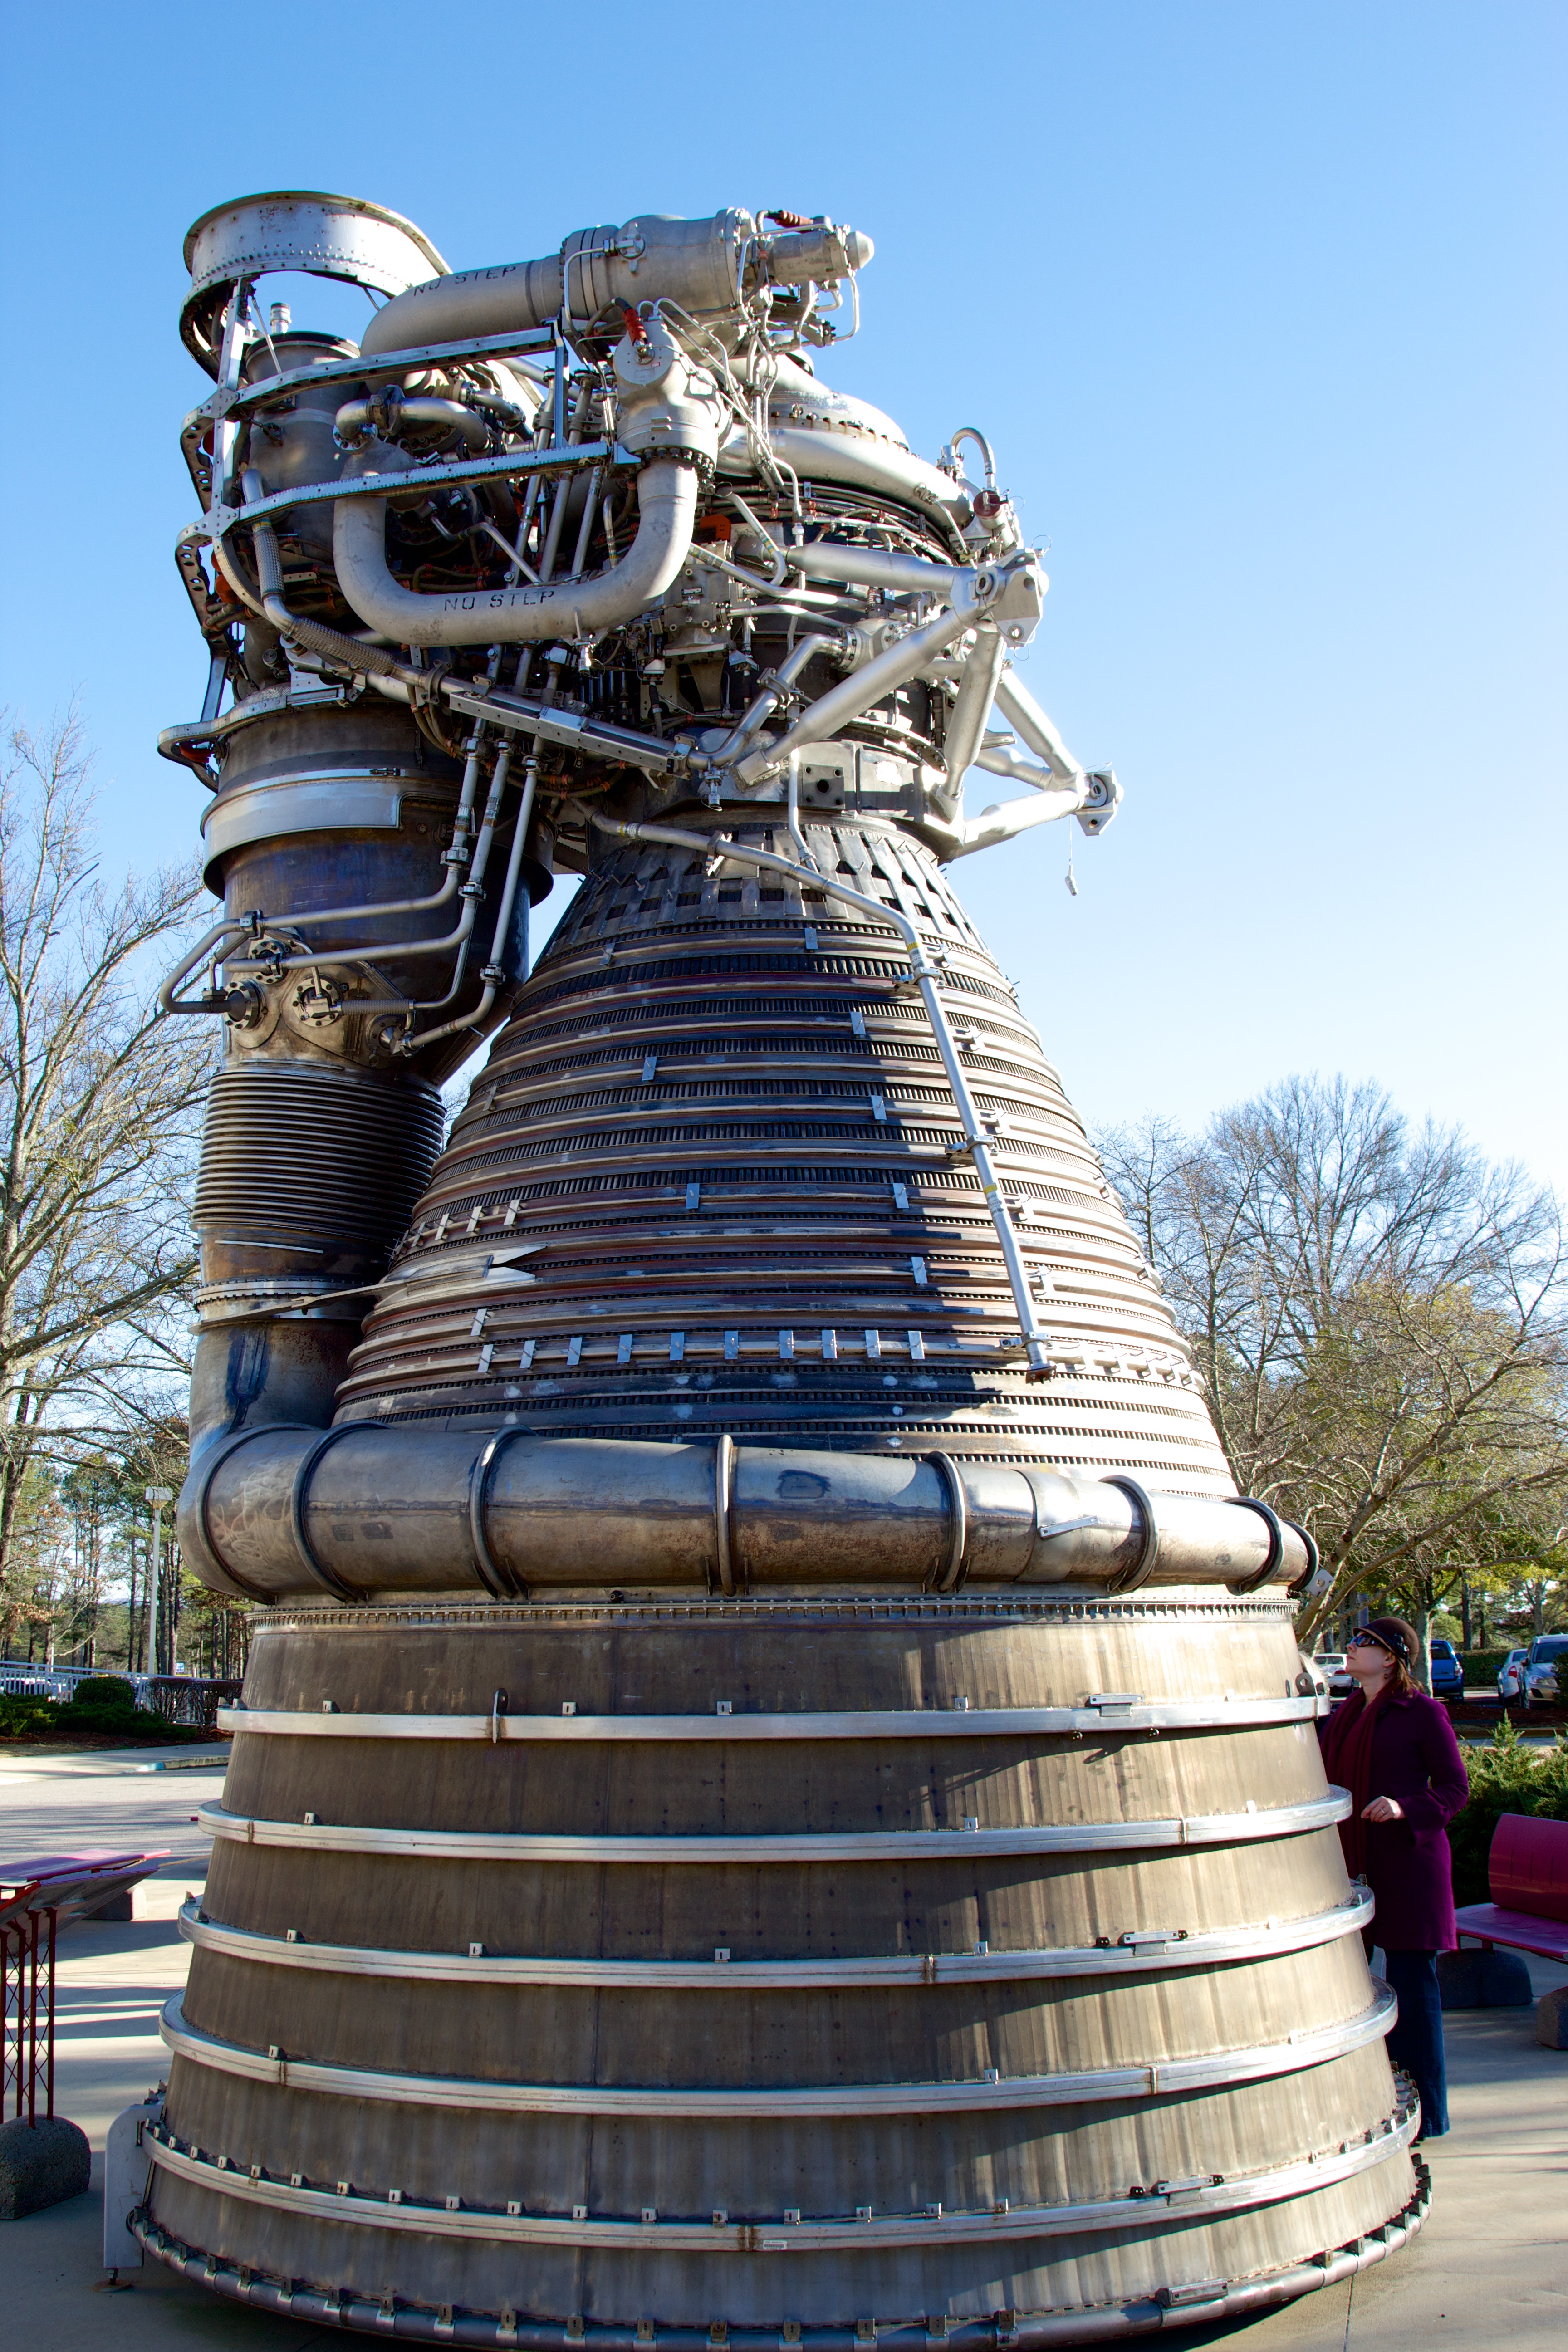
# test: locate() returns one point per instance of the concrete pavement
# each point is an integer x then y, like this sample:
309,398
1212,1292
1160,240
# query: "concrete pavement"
1487,2268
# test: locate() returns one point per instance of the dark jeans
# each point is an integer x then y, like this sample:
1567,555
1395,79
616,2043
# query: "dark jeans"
1416,2041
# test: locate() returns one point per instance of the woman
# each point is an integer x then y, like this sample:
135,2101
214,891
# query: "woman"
1393,1748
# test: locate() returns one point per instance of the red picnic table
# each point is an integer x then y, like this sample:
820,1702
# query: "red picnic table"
35,1898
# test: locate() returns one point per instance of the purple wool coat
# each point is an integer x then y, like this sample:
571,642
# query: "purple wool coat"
1416,1760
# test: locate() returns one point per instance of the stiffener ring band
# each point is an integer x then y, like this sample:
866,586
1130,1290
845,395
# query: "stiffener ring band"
324,1576
950,1576
1256,1582
1314,1561
723,1495
498,1582
1142,1568
221,1453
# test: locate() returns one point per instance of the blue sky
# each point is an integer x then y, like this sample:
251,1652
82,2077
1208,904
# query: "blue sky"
1262,305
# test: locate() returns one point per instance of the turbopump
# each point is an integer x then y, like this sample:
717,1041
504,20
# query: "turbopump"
760,1678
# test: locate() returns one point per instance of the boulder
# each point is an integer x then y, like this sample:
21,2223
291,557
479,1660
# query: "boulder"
41,2164
1551,2018
1478,1979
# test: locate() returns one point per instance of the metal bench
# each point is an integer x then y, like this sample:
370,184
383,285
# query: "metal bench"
1527,1869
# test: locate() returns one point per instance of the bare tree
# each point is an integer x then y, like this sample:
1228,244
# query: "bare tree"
1379,1317
99,1104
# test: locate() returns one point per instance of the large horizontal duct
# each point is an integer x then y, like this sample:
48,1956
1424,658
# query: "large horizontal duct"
702,265
531,614
370,1508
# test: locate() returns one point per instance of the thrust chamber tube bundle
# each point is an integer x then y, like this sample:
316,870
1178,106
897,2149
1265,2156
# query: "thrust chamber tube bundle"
887,1888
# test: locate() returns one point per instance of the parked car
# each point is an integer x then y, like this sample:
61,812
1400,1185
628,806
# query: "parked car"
1510,1676
1447,1674
1331,1665
1543,1681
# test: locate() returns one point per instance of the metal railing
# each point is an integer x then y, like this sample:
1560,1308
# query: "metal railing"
190,1699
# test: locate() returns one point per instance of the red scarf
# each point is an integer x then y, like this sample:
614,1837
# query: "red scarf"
1347,1759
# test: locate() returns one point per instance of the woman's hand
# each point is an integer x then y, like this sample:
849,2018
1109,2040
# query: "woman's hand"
1382,1808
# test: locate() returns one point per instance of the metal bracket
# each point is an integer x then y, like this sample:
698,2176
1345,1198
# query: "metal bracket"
1142,1566
498,1582
323,1575
950,1576
1256,1582
724,1498
220,1455
1308,1581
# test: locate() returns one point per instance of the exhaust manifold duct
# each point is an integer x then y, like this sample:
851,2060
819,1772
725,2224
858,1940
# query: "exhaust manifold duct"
758,1669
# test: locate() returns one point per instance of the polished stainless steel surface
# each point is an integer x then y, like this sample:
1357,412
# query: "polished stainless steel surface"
830,1846
522,1512
1122,1710
777,1799
1059,2090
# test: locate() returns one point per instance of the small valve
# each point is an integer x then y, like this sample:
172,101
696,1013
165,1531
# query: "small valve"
636,331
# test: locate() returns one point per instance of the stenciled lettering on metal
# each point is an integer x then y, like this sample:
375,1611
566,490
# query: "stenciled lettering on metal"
757,1671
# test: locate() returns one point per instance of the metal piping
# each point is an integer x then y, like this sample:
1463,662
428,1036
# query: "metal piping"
874,567
169,1001
330,643
1014,698
405,412
972,712
860,463
890,671
704,266
495,970
456,858
1009,818
696,263
526,614
454,942
779,684
578,1513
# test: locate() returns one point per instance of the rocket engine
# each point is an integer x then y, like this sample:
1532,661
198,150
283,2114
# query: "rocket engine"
776,1799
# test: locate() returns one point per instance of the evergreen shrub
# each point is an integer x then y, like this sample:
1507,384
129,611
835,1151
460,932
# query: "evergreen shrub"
1506,1776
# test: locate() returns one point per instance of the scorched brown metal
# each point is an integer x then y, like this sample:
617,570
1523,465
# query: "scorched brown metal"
776,1799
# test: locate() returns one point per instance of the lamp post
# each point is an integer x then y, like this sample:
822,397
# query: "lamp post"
157,1496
